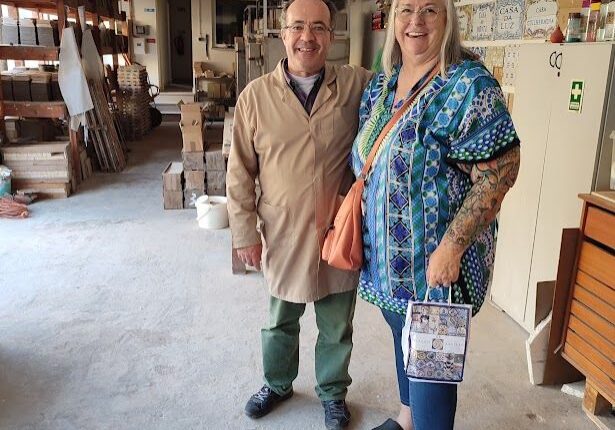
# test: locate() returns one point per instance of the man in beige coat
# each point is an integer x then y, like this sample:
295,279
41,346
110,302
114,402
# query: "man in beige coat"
293,131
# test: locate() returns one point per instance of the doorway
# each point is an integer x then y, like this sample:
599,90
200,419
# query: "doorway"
180,44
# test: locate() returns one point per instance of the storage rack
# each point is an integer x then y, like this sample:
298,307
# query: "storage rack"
54,110
200,95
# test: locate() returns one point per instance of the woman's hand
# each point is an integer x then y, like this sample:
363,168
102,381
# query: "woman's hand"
444,263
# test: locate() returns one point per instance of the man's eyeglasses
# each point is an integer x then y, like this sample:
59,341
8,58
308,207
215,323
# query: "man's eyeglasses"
317,29
427,14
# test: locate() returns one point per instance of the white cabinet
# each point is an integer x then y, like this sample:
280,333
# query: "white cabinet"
559,159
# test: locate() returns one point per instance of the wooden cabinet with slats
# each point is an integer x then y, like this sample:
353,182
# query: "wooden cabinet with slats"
589,342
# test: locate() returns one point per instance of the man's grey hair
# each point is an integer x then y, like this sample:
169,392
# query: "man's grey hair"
451,51
330,5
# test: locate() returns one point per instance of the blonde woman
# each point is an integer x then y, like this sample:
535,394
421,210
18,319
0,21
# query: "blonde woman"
436,184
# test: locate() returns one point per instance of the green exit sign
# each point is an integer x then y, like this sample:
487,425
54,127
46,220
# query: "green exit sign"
575,102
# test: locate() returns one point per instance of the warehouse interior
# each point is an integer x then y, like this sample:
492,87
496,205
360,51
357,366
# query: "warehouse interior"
123,304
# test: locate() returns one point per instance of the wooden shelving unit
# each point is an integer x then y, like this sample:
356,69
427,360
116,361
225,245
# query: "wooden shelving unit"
63,10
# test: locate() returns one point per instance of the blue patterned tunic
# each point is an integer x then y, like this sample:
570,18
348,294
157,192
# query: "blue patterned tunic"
415,186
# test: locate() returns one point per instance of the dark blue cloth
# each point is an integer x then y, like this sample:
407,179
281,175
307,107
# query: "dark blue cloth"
433,405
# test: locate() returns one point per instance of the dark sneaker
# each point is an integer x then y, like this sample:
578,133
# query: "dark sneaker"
389,425
261,403
337,415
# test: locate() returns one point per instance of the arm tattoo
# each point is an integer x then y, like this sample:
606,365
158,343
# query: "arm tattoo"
491,181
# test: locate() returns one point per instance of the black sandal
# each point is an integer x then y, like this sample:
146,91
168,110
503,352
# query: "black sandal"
389,425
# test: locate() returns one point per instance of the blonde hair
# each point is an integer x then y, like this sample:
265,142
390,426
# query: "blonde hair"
451,51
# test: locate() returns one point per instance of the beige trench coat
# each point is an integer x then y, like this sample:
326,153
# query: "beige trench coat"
302,164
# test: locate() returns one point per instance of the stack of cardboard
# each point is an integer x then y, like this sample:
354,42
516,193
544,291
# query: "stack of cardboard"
191,125
43,168
215,162
172,181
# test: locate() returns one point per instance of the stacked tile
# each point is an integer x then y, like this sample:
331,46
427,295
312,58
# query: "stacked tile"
134,101
215,162
7,86
56,94
10,31
41,86
44,33
191,125
27,32
42,168
22,91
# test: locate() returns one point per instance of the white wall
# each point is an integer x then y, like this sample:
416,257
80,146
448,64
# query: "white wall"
150,59
164,60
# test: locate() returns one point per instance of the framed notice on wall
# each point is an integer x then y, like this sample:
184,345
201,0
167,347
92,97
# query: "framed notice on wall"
540,18
482,21
464,15
509,19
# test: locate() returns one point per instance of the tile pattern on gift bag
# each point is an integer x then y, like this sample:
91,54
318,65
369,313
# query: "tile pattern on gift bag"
438,341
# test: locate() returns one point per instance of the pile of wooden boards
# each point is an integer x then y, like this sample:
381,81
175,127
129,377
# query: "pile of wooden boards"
41,168
134,101
103,132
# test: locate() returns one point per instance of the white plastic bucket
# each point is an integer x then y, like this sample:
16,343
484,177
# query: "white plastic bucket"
211,212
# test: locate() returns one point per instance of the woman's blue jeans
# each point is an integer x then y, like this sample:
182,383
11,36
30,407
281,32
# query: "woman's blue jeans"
433,405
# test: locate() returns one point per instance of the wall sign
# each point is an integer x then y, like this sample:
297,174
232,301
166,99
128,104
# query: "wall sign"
575,102
482,21
150,9
509,19
540,18
464,17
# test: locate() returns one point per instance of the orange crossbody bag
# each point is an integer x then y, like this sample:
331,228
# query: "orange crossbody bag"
343,244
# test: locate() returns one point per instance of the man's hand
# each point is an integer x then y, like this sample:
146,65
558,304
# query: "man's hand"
251,255
443,267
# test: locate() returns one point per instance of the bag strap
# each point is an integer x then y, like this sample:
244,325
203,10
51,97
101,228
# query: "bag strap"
396,116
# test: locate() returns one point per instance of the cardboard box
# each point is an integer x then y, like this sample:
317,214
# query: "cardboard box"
190,196
193,160
192,137
216,183
191,113
214,158
172,176
195,180
173,199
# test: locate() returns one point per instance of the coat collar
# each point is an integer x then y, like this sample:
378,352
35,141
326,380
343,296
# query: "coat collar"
327,88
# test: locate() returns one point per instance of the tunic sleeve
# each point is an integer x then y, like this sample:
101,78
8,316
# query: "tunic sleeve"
485,129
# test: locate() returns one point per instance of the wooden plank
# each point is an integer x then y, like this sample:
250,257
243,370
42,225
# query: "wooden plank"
605,384
602,199
602,326
42,147
591,353
40,53
35,109
600,226
594,338
558,370
597,262
596,287
594,303
594,402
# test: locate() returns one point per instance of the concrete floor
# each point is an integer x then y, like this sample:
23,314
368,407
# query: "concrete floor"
115,314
